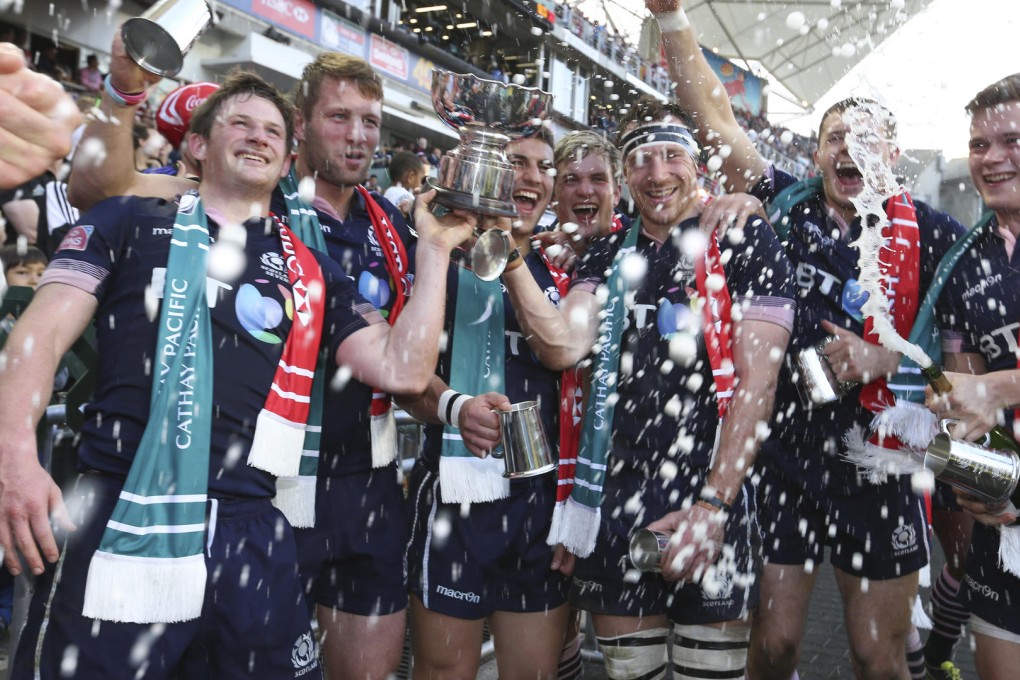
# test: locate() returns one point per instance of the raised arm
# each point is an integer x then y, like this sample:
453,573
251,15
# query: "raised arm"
37,122
53,321
700,92
401,359
104,164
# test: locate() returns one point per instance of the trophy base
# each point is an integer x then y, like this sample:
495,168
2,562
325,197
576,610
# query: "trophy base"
150,46
484,205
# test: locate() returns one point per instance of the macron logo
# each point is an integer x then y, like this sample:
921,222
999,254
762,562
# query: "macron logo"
458,595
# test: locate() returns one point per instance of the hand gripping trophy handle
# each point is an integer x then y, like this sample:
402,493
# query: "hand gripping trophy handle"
476,176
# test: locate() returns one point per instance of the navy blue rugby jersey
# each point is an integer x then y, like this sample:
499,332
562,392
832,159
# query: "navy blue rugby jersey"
806,443
759,279
351,243
118,249
979,309
525,378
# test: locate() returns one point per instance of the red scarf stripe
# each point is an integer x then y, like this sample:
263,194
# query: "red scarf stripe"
901,273
717,324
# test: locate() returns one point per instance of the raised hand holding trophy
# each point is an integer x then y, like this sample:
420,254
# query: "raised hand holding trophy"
476,176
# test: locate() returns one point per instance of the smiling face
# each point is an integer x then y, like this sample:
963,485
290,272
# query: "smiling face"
246,149
663,182
586,194
341,133
995,157
532,160
841,178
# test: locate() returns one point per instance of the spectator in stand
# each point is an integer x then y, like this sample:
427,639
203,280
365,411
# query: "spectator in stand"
90,77
434,156
151,148
372,184
407,170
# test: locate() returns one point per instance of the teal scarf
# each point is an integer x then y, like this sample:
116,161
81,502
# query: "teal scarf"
477,365
576,522
149,566
295,496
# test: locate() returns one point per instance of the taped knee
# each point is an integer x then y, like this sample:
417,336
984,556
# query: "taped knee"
635,656
701,652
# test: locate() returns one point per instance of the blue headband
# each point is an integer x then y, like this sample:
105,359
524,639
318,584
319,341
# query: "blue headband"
659,133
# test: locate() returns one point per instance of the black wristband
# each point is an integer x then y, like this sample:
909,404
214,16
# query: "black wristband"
716,503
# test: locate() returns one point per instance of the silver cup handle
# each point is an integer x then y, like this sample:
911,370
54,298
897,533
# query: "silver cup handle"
944,424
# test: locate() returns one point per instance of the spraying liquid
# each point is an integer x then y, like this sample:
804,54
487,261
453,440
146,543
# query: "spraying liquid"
865,140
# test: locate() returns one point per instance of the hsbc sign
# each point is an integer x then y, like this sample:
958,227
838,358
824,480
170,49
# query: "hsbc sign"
295,15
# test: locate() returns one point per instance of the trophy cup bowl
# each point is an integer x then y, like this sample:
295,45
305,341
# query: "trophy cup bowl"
476,176
160,38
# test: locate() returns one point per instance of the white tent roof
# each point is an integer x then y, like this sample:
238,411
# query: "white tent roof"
808,56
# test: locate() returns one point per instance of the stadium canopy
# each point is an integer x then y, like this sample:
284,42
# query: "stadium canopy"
807,46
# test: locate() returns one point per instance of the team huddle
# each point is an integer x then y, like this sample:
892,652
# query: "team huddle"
260,316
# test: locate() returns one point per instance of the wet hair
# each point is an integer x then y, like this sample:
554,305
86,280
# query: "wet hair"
11,257
241,84
649,109
544,134
404,163
340,67
577,145
853,102
998,93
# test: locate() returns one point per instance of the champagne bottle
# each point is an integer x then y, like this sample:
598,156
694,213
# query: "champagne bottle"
998,437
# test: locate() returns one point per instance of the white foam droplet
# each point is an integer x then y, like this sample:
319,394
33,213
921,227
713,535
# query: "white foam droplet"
786,137
306,190
794,20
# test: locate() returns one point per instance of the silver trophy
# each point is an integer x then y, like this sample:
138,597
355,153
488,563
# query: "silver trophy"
159,40
476,176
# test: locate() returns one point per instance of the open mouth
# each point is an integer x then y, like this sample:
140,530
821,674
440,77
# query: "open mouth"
254,157
848,175
525,200
998,177
660,195
585,212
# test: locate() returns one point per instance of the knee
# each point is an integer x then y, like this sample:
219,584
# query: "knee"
635,655
772,653
880,659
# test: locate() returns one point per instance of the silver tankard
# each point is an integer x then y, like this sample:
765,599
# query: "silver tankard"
525,451
988,474
160,38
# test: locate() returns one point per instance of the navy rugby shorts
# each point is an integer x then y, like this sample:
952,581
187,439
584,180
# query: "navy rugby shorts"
353,558
879,533
988,591
607,583
254,621
493,557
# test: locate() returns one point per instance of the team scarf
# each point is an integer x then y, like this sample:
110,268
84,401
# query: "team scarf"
577,514
383,425
295,494
150,566
477,365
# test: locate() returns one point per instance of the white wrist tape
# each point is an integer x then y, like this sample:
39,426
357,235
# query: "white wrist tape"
450,403
673,21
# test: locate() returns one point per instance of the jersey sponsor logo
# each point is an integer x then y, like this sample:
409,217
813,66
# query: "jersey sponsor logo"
981,588
77,238
807,275
588,586
853,299
981,286
473,598
1000,341
162,231
273,264
302,656
904,539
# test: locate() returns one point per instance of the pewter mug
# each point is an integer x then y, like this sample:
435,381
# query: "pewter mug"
160,38
818,384
525,451
647,548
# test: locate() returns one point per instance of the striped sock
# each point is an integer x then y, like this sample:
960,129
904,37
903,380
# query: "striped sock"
948,617
570,660
915,655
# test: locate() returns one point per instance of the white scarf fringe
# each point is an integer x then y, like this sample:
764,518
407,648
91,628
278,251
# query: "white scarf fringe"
295,498
878,462
1009,546
467,479
576,526
133,589
277,445
383,430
